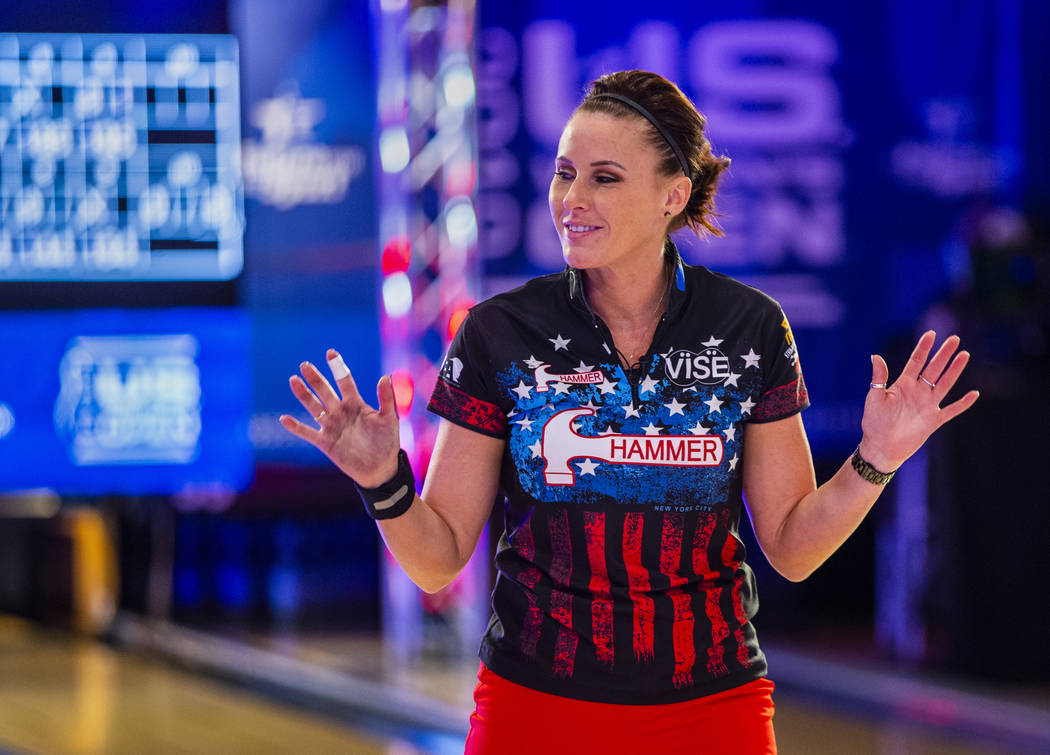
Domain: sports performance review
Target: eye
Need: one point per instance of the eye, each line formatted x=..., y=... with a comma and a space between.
x=564, y=175
x=606, y=179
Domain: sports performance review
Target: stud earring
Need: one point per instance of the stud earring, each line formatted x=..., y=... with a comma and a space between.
x=666, y=214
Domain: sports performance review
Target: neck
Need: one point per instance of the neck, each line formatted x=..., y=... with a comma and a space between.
x=628, y=298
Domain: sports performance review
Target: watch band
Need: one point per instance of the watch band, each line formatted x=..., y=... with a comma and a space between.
x=868, y=472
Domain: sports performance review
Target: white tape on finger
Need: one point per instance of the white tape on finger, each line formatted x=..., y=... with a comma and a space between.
x=338, y=367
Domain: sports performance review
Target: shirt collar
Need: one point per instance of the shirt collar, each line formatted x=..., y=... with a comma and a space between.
x=675, y=289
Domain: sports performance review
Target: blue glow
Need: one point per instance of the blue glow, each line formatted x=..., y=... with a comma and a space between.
x=144, y=401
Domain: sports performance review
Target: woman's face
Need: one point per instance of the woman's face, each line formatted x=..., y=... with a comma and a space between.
x=606, y=198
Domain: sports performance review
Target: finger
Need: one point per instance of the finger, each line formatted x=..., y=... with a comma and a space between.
x=320, y=384
x=306, y=397
x=940, y=359
x=342, y=375
x=880, y=372
x=953, y=410
x=295, y=427
x=385, y=392
x=947, y=381
x=918, y=356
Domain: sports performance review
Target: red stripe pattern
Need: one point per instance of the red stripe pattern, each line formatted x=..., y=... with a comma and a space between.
x=561, y=598
x=452, y=403
x=526, y=547
x=601, y=603
x=682, y=625
x=780, y=402
x=638, y=587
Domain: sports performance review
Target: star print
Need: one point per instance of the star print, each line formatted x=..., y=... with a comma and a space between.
x=731, y=380
x=712, y=341
x=606, y=347
x=669, y=352
x=652, y=429
x=607, y=386
x=648, y=385
x=561, y=389
x=560, y=343
x=608, y=431
x=674, y=407
x=714, y=404
x=630, y=411
x=745, y=406
x=526, y=424
x=691, y=389
x=512, y=412
x=523, y=391
x=537, y=449
x=698, y=429
x=532, y=362
x=732, y=462
x=590, y=405
x=583, y=367
x=587, y=467
x=731, y=432
x=751, y=358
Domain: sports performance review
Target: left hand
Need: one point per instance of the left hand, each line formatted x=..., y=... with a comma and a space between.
x=899, y=418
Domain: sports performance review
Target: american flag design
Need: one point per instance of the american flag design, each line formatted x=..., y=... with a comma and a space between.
x=621, y=576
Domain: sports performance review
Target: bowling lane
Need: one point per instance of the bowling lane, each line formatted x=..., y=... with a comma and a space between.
x=61, y=694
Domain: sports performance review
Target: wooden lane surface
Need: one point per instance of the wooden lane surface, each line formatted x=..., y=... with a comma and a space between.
x=62, y=694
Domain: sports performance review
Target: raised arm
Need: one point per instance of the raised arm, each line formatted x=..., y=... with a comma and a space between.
x=435, y=538
x=799, y=525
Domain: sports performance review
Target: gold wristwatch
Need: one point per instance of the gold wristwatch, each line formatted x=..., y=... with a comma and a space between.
x=868, y=472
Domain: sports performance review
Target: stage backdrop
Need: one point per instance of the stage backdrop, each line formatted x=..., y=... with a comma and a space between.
x=311, y=254
x=860, y=136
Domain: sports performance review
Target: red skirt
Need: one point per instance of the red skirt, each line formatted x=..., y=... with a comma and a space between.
x=509, y=719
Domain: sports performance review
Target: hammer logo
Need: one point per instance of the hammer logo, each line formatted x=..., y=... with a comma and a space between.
x=561, y=443
x=543, y=378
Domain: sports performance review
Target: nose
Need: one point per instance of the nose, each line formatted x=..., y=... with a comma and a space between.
x=575, y=196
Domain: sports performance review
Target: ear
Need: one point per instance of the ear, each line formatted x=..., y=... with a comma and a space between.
x=678, y=193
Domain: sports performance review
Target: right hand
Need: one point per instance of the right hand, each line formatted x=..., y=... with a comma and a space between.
x=361, y=441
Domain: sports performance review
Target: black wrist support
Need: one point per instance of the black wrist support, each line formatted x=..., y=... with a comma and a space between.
x=393, y=497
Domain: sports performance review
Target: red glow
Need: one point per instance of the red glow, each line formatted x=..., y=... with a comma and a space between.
x=461, y=178
x=459, y=313
x=397, y=255
x=404, y=389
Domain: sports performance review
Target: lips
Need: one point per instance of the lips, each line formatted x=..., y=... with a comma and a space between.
x=579, y=230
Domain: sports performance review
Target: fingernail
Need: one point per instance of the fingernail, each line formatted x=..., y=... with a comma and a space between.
x=338, y=367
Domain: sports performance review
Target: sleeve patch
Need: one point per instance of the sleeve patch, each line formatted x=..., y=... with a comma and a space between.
x=452, y=403
x=782, y=401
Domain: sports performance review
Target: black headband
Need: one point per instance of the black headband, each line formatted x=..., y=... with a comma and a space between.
x=656, y=124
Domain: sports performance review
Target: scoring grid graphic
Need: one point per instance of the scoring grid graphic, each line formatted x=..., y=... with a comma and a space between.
x=120, y=157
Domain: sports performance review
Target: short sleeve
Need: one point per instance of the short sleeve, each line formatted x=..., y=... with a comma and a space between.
x=462, y=393
x=784, y=389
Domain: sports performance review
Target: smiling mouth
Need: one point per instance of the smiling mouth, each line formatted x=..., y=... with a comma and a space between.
x=582, y=228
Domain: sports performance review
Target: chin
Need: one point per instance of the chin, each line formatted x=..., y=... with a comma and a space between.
x=579, y=258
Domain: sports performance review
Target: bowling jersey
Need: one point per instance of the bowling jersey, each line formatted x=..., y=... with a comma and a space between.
x=620, y=574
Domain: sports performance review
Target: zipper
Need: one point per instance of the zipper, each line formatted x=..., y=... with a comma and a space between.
x=633, y=377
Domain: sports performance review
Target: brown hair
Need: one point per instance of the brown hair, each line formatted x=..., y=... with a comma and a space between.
x=683, y=123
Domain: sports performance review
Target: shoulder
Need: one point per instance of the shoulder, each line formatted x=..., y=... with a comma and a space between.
x=536, y=297
x=728, y=293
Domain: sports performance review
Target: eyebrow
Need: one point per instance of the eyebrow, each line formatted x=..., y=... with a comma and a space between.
x=594, y=164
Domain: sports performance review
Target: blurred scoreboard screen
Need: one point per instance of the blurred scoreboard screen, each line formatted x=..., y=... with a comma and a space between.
x=119, y=158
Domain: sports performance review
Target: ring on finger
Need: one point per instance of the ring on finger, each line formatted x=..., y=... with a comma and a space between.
x=878, y=385
x=320, y=416
x=932, y=385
